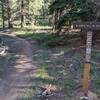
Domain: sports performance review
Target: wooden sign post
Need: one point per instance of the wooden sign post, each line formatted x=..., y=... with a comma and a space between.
x=89, y=26
x=86, y=74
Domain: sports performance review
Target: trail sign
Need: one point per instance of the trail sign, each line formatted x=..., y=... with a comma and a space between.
x=89, y=26
x=88, y=46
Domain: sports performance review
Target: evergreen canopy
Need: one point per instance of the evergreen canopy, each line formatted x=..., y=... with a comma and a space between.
x=72, y=10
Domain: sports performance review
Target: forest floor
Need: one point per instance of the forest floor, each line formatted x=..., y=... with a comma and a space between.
x=16, y=77
x=32, y=67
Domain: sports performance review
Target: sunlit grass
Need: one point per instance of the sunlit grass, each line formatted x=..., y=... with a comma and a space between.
x=42, y=73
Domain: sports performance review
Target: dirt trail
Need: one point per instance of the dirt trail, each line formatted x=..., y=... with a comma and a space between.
x=17, y=77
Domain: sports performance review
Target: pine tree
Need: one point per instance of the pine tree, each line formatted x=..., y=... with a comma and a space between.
x=67, y=11
x=10, y=25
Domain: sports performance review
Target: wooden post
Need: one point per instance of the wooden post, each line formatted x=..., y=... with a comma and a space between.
x=86, y=73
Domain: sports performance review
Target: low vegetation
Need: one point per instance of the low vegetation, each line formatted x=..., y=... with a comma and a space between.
x=52, y=66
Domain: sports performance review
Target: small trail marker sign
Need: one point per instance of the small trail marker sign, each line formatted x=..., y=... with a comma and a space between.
x=89, y=26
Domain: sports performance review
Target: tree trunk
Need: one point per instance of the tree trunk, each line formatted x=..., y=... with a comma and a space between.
x=59, y=14
x=3, y=20
x=28, y=4
x=28, y=12
x=10, y=25
x=55, y=17
x=22, y=14
x=43, y=11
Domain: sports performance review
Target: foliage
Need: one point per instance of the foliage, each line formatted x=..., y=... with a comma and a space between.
x=30, y=9
x=72, y=10
x=35, y=10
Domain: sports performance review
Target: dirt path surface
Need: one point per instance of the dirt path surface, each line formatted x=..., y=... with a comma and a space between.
x=17, y=77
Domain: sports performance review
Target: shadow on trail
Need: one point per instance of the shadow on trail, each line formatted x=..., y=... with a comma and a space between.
x=18, y=68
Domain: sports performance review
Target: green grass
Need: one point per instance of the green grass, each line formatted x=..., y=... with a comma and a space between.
x=51, y=70
x=46, y=39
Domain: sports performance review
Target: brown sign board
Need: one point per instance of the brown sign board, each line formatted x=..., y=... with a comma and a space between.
x=86, y=25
